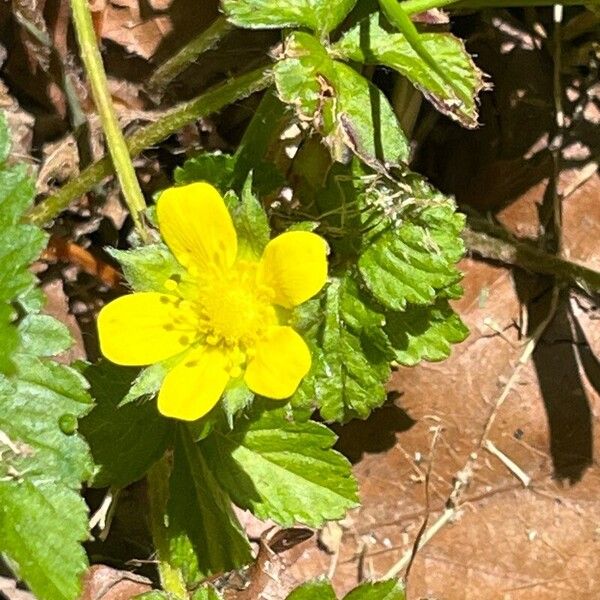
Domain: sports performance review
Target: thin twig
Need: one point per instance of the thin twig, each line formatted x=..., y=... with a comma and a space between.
x=117, y=147
x=421, y=533
x=446, y=516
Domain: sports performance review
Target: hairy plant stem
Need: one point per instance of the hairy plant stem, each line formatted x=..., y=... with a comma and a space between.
x=173, y=120
x=188, y=54
x=492, y=242
x=117, y=147
x=412, y=7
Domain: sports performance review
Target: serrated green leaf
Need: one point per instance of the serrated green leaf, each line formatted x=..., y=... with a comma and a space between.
x=43, y=335
x=204, y=536
x=413, y=261
x=20, y=245
x=43, y=459
x=347, y=377
x=455, y=95
x=318, y=15
x=380, y=590
x=215, y=168
x=125, y=441
x=333, y=97
x=424, y=332
x=42, y=517
x=147, y=268
x=314, y=590
x=363, y=317
x=282, y=470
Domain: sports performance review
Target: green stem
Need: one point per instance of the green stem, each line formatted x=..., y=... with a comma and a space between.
x=172, y=121
x=92, y=60
x=157, y=480
x=396, y=15
x=177, y=63
x=412, y=7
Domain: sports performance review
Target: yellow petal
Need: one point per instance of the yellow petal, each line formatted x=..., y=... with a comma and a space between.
x=282, y=359
x=194, y=386
x=294, y=266
x=141, y=329
x=197, y=226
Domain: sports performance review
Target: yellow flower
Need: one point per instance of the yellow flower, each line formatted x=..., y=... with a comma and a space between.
x=226, y=317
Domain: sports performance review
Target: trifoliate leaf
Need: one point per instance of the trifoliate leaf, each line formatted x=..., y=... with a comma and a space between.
x=319, y=15
x=147, y=268
x=314, y=590
x=125, y=440
x=380, y=590
x=332, y=96
x=455, y=96
x=204, y=536
x=424, y=332
x=282, y=470
x=413, y=261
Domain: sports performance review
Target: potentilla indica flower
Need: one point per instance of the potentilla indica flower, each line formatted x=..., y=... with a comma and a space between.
x=225, y=319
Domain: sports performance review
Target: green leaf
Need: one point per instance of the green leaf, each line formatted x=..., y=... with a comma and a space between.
x=347, y=377
x=204, y=593
x=349, y=111
x=319, y=15
x=424, y=332
x=361, y=315
x=412, y=262
x=454, y=95
x=125, y=441
x=43, y=519
x=251, y=224
x=215, y=168
x=380, y=590
x=314, y=590
x=43, y=335
x=282, y=470
x=9, y=338
x=16, y=191
x=205, y=538
x=366, y=122
x=147, y=268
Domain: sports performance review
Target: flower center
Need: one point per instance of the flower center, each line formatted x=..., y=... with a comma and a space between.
x=234, y=310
